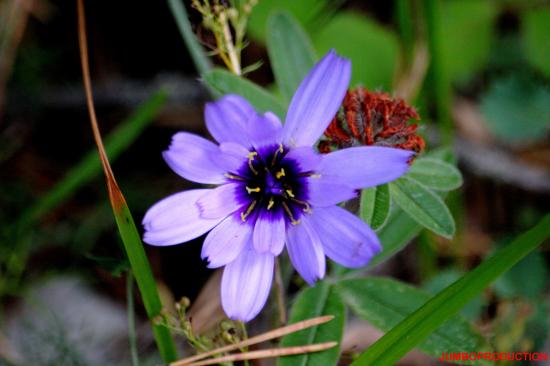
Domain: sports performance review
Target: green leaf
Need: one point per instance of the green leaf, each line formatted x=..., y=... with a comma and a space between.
x=471, y=311
x=142, y=272
x=373, y=49
x=291, y=53
x=201, y=61
x=517, y=109
x=313, y=302
x=394, y=240
x=527, y=279
x=424, y=206
x=374, y=206
x=224, y=82
x=385, y=302
x=536, y=43
x=306, y=12
x=468, y=31
x=435, y=174
x=419, y=325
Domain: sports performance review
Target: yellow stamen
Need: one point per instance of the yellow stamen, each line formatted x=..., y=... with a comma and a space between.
x=245, y=214
x=250, y=190
x=280, y=173
x=270, y=203
x=251, y=156
x=233, y=176
x=280, y=150
x=307, y=207
x=290, y=215
x=289, y=192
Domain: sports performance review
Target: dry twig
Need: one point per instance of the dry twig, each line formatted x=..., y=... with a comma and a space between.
x=276, y=333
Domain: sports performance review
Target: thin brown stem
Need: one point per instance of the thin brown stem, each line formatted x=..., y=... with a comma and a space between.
x=280, y=293
x=268, y=353
x=276, y=333
x=83, y=43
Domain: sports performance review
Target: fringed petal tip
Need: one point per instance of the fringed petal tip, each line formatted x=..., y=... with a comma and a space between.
x=190, y=156
x=176, y=219
x=346, y=239
x=365, y=166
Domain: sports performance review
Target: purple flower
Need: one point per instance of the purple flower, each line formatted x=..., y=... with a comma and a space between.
x=273, y=190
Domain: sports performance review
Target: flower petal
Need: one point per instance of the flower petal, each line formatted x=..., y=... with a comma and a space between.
x=231, y=156
x=317, y=100
x=269, y=232
x=226, y=241
x=227, y=118
x=246, y=283
x=324, y=192
x=305, y=157
x=189, y=155
x=264, y=129
x=365, y=166
x=176, y=219
x=219, y=202
x=346, y=239
x=306, y=251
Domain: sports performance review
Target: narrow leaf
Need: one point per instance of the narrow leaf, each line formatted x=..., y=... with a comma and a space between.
x=291, y=53
x=90, y=167
x=313, y=302
x=141, y=270
x=126, y=226
x=374, y=206
x=435, y=174
x=419, y=325
x=424, y=206
x=224, y=82
x=201, y=61
x=384, y=302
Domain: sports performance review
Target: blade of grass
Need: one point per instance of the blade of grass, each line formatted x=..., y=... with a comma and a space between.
x=419, y=325
x=441, y=84
x=126, y=226
x=201, y=61
x=90, y=166
x=131, y=318
x=87, y=169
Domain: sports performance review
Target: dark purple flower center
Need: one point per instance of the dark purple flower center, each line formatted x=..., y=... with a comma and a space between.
x=271, y=184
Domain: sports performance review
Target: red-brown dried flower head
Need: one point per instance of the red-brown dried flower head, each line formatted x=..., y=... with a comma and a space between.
x=372, y=118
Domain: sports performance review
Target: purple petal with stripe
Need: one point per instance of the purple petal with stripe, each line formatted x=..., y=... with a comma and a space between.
x=226, y=241
x=219, y=202
x=346, y=239
x=264, y=129
x=365, y=166
x=325, y=192
x=227, y=118
x=306, y=251
x=269, y=232
x=190, y=155
x=176, y=219
x=317, y=100
x=230, y=157
x=246, y=283
x=305, y=157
